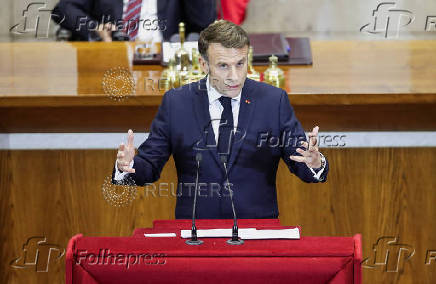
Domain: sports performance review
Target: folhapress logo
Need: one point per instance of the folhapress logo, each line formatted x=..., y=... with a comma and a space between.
x=389, y=255
x=388, y=20
x=36, y=19
x=37, y=254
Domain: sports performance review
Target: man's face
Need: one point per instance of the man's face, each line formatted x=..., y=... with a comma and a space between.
x=227, y=68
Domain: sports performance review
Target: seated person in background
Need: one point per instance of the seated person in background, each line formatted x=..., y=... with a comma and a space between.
x=81, y=17
x=107, y=20
x=196, y=14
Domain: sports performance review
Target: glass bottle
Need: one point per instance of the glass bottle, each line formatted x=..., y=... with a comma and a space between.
x=274, y=75
x=170, y=77
x=251, y=72
x=196, y=72
x=181, y=55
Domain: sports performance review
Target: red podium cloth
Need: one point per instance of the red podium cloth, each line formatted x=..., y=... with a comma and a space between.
x=138, y=259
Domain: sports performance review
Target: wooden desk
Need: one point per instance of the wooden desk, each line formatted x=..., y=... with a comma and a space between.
x=352, y=85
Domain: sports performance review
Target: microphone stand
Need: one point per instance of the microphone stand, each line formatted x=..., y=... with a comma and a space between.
x=194, y=240
x=235, y=240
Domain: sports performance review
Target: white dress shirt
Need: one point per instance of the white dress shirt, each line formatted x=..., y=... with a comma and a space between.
x=215, y=111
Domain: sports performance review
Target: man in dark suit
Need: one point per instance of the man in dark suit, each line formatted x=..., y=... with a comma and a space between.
x=251, y=124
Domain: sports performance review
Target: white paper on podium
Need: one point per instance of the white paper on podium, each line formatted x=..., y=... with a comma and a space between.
x=160, y=235
x=246, y=234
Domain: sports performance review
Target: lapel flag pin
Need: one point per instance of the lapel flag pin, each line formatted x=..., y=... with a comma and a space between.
x=247, y=101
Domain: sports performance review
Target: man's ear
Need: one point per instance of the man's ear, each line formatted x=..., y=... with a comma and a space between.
x=203, y=64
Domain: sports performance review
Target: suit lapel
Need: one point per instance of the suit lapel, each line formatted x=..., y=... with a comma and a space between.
x=201, y=109
x=246, y=109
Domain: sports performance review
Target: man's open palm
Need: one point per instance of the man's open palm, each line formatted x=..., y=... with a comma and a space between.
x=310, y=155
x=126, y=153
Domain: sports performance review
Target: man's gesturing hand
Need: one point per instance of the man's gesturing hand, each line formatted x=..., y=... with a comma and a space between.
x=126, y=153
x=311, y=155
x=105, y=31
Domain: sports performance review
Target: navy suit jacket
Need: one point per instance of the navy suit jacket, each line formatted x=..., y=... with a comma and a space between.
x=267, y=131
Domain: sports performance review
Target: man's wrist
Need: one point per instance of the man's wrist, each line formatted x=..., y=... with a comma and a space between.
x=130, y=166
x=318, y=172
x=323, y=162
x=119, y=168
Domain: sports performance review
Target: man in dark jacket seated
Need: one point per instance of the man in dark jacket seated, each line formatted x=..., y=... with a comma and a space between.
x=87, y=20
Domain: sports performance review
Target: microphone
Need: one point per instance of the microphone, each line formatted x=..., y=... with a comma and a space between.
x=194, y=240
x=235, y=239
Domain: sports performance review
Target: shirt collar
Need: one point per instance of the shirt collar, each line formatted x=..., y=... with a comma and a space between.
x=214, y=95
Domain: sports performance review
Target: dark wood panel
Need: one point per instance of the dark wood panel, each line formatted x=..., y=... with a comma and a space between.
x=71, y=119
x=394, y=117
x=121, y=118
x=375, y=192
x=6, y=219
